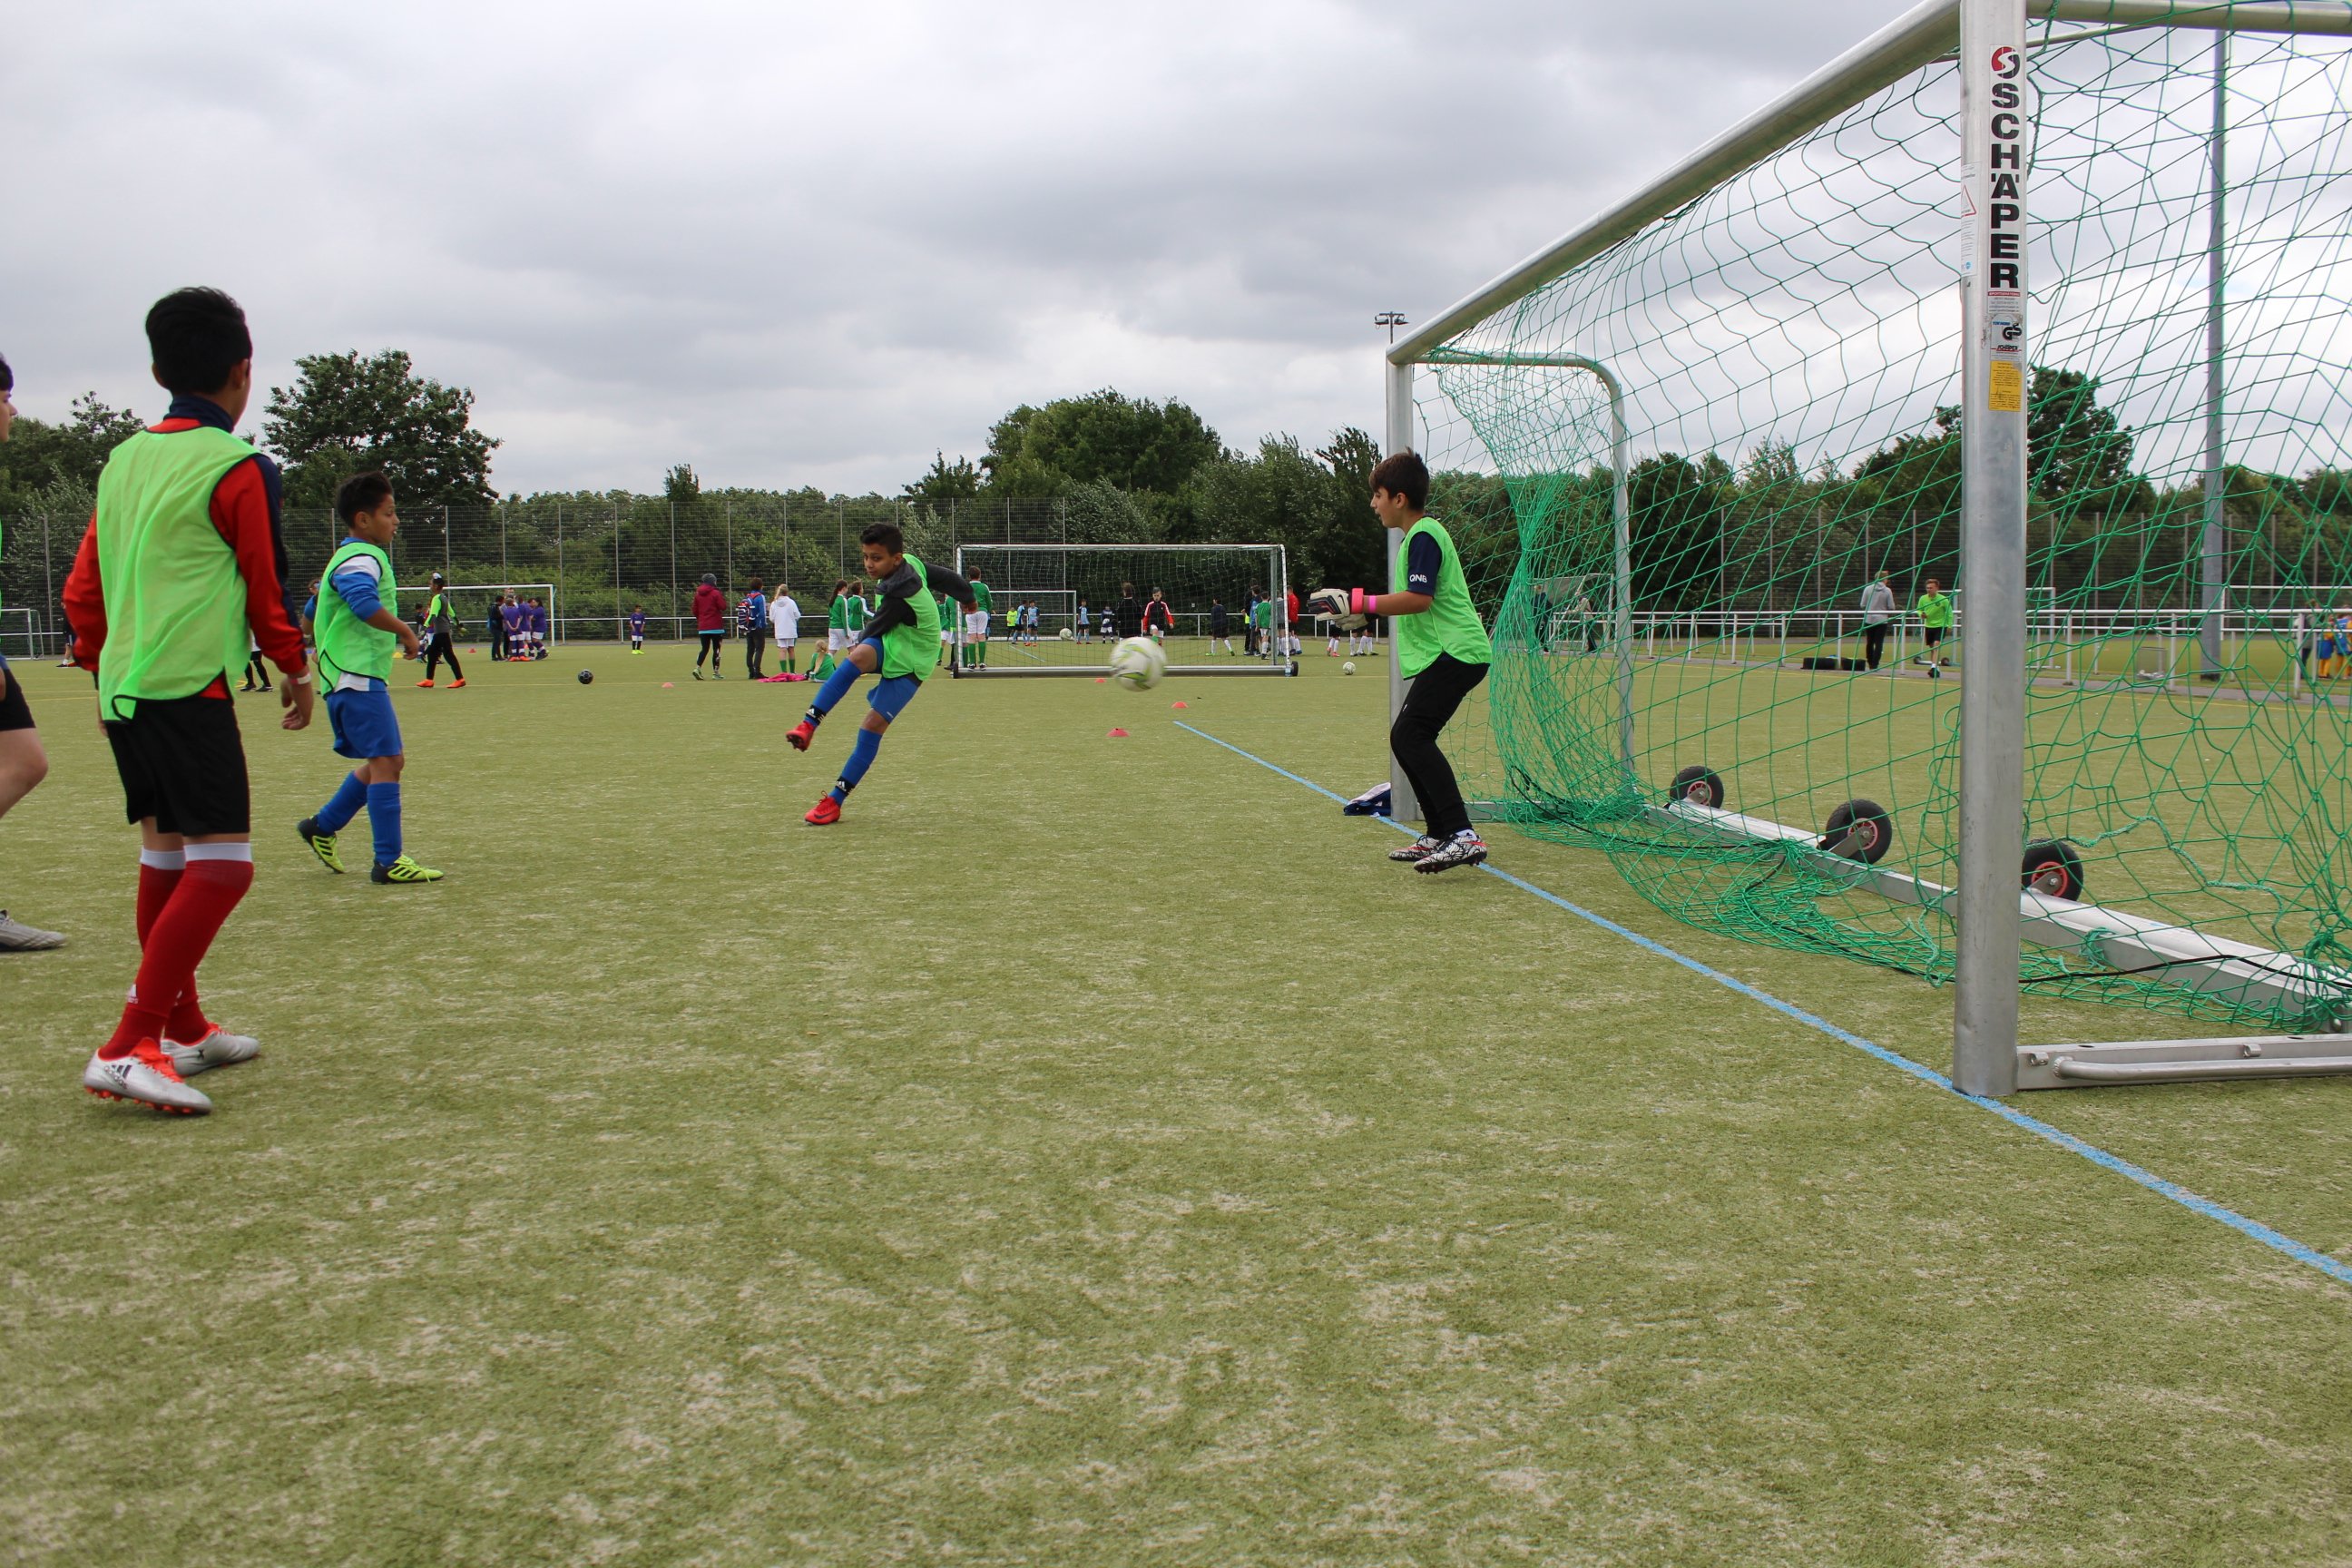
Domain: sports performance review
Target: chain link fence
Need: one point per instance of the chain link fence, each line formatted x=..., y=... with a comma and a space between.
x=601, y=556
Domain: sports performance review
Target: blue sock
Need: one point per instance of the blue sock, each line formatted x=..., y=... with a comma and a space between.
x=384, y=815
x=837, y=687
x=861, y=757
x=343, y=805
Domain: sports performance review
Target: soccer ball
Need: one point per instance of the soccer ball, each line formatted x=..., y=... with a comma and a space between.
x=1349, y=668
x=1137, y=664
x=1066, y=634
x=586, y=676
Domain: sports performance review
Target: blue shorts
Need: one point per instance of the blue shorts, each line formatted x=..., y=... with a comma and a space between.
x=889, y=698
x=363, y=723
x=2327, y=647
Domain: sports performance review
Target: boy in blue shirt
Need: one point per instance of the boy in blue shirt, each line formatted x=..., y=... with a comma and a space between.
x=357, y=632
x=752, y=619
x=636, y=629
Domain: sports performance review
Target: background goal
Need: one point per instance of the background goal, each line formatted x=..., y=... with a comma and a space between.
x=1199, y=582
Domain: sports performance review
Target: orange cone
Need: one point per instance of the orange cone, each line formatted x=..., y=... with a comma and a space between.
x=1179, y=704
x=1116, y=735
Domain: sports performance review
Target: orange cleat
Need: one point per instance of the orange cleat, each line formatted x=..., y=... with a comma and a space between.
x=455, y=684
x=426, y=684
x=823, y=814
x=800, y=736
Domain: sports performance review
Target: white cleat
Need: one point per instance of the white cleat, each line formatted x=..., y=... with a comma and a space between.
x=218, y=1049
x=147, y=1076
x=1421, y=848
x=16, y=936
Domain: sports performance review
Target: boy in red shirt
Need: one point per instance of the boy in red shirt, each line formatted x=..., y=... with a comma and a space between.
x=182, y=558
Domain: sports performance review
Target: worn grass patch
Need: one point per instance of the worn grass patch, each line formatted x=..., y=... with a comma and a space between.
x=1091, y=1151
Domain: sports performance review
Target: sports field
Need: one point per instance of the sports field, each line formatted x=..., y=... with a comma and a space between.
x=1090, y=1152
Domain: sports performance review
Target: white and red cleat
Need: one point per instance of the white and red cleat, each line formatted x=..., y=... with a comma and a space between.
x=147, y=1076
x=218, y=1049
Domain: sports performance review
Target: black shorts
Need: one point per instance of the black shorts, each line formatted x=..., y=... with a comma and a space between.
x=1933, y=634
x=15, y=713
x=183, y=763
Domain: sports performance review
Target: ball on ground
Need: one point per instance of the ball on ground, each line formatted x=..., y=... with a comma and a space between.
x=587, y=676
x=1349, y=668
x=1066, y=634
x=1137, y=664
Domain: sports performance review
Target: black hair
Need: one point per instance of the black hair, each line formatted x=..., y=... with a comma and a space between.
x=196, y=337
x=360, y=492
x=1403, y=473
x=884, y=535
x=757, y=586
x=7, y=376
x=710, y=580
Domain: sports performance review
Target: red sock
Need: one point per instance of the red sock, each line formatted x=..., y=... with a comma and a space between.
x=186, y=1021
x=177, y=940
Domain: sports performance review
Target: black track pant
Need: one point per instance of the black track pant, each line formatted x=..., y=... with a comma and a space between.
x=437, y=647
x=1874, y=643
x=1429, y=702
x=710, y=650
x=755, y=648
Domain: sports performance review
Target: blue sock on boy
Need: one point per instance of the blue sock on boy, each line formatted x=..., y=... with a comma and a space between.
x=861, y=757
x=342, y=806
x=383, y=816
x=837, y=687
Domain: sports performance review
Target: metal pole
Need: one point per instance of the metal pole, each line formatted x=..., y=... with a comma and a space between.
x=555, y=593
x=1402, y=805
x=1992, y=699
x=448, y=569
x=2213, y=548
x=673, y=573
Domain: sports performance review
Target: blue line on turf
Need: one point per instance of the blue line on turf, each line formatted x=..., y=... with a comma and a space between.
x=2335, y=1269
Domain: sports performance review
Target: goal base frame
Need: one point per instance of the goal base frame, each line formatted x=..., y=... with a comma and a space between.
x=2212, y=1060
x=1048, y=671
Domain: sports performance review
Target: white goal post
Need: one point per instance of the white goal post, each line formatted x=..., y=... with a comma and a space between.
x=1205, y=587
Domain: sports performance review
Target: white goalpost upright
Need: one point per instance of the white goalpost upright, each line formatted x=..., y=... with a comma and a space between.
x=1989, y=48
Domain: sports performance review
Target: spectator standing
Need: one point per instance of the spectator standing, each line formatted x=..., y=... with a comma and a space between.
x=710, y=626
x=1877, y=617
x=784, y=620
x=751, y=615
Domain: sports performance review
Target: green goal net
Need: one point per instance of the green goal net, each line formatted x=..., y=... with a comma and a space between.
x=1758, y=719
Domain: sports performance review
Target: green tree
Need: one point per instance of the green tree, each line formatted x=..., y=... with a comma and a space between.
x=944, y=482
x=1133, y=443
x=63, y=460
x=2077, y=451
x=348, y=412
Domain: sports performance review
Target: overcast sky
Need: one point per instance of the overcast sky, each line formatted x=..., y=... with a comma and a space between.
x=808, y=244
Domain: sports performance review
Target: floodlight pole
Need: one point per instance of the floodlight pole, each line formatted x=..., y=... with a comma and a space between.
x=2214, y=546
x=1997, y=117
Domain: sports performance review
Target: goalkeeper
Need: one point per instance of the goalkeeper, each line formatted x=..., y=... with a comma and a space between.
x=899, y=644
x=1441, y=649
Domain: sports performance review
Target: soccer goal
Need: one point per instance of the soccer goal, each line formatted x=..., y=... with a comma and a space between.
x=475, y=602
x=1904, y=443
x=1089, y=596
x=20, y=635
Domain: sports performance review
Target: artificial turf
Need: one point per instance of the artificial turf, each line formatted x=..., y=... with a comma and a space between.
x=1091, y=1151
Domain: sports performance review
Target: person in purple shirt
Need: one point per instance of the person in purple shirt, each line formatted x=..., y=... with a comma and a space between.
x=636, y=629
x=510, y=628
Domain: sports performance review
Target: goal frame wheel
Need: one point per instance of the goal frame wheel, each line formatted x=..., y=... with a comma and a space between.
x=2053, y=867
x=1692, y=781
x=1858, y=830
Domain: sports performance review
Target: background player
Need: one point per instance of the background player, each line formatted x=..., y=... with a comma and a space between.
x=784, y=618
x=975, y=625
x=636, y=629
x=23, y=764
x=710, y=626
x=751, y=618
x=357, y=632
x=440, y=631
x=896, y=644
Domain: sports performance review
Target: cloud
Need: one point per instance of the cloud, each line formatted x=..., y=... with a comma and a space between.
x=809, y=244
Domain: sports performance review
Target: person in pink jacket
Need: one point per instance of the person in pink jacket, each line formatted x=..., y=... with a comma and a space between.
x=710, y=624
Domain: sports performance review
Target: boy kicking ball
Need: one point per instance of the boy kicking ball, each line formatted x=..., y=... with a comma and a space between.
x=1441, y=647
x=357, y=632
x=180, y=560
x=896, y=644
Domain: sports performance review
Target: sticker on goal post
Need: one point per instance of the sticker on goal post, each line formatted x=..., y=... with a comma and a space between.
x=2005, y=389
